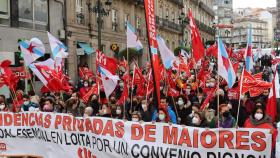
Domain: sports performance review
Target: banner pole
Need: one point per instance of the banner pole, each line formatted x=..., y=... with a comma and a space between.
x=218, y=101
x=240, y=92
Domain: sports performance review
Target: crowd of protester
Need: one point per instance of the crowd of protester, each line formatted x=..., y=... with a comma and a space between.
x=185, y=109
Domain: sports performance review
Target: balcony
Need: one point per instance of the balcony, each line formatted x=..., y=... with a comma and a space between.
x=168, y=25
x=206, y=8
x=205, y=28
x=179, y=2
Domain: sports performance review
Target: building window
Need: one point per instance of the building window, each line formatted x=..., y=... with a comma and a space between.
x=80, y=17
x=138, y=23
x=4, y=12
x=226, y=2
x=126, y=19
x=33, y=14
x=114, y=20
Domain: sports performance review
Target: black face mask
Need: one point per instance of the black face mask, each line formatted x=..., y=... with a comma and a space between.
x=226, y=114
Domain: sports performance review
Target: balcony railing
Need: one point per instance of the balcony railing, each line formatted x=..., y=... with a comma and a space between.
x=166, y=24
x=205, y=28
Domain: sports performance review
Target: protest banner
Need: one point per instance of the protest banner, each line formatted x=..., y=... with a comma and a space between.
x=51, y=135
x=278, y=142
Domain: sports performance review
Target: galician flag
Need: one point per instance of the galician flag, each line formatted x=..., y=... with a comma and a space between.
x=249, y=53
x=59, y=50
x=167, y=55
x=225, y=69
x=32, y=50
x=132, y=38
x=109, y=80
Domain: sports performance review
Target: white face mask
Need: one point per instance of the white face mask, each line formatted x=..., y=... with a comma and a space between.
x=180, y=102
x=258, y=116
x=2, y=106
x=161, y=88
x=104, y=112
x=86, y=85
x=121, y=84
x=134, y=119
x=161, y=117
x=118, y=111
x=195, y=121
x=26, y=102
x=191, y=115
x=144, y=106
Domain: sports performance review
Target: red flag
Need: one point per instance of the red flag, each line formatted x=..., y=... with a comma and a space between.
x=124, y=96
x=111, y=64
x=93, y=90
x=271, y=106
x=209, y=97
x=153, y=45
x=212, y=50
x=235, y=67
x=255, y=86
x=85, y=73
x=275, y=61
x=138, y=76
x=197, y=45
x=7, y=76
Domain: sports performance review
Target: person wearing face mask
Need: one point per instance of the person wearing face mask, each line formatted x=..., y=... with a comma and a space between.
x=225, y=118
x=3, y=104
x=85, y=89
x=94, y=104
x=105, y=111
x=260, y=119
x=3, y=107
x=162, y=116
x=170, y=114
x=136, y=116
x=28, y=105
x=198, y=120
x=189, y=117
x=183, y=109
x=146, y=111
x=88, y=112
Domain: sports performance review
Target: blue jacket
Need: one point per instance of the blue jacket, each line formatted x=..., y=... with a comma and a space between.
x=171, y=113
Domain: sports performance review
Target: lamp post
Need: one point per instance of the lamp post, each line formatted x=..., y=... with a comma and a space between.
x=184, y=22
x=100, y=11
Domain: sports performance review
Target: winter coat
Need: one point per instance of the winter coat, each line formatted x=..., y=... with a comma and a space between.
x=265, y=123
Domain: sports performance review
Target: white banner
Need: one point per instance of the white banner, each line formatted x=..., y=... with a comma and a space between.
x=59, y=135
x=278, y=142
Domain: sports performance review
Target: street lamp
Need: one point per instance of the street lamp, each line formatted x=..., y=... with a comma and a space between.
x=100, y=10
x=184, y=22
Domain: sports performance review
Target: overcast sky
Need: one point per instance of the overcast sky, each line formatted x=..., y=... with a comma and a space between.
x=254, y=3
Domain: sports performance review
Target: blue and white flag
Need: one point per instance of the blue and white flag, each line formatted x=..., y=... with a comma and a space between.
x=132, y=38
x=225, y=68
x=59, y=50
x=109, y=80
x=166, y=54
x=32, y=50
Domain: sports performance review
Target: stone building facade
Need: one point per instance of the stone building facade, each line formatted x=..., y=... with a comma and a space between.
x=259, y=32
x=81, y=26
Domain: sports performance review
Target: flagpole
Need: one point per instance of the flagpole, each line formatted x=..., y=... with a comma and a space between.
x=218, y=99
x=149, y=77
x=240, y=93
x=132, y=88
x=26, y=81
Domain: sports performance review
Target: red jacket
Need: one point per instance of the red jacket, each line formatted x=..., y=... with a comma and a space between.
x=264, y=124
x=83, y=91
